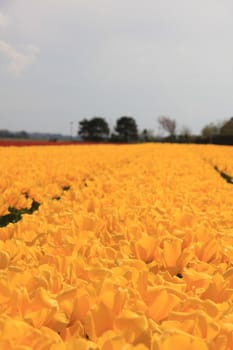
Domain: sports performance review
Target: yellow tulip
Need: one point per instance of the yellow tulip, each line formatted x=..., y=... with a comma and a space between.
x=98, y=320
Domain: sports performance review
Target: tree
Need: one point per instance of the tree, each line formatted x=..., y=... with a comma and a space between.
x=147, y=135
x=168, y=125
x=5, y=133
x=83, y=129
x=227, y=128
x=14, y=134
x=99, y=129
x=185, y=134
x=95, y=129
x=22, y=134
x=126, y=128
x=210, y=130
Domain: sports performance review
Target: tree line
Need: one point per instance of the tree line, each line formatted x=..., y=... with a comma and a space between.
x=96, y=129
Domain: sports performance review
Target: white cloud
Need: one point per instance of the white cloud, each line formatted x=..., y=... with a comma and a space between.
x=18, y=62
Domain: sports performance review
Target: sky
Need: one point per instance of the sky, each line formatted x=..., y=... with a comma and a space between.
x=65, y=60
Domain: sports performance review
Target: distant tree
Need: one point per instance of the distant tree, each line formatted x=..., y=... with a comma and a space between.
x=147, y=135
x=210, y=129
x=185, y=134
x=227, y=128
x=83, y=129
x=167, y=124
x=95, y=129
x=22, y=134
x=126, y=129
x=99, y=129
x=14, y=134
x=5, y=133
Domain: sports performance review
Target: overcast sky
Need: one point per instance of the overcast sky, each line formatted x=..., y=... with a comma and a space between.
x=65, y=60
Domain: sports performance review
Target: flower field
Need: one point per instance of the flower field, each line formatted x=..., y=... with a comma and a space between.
x=116, y=247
